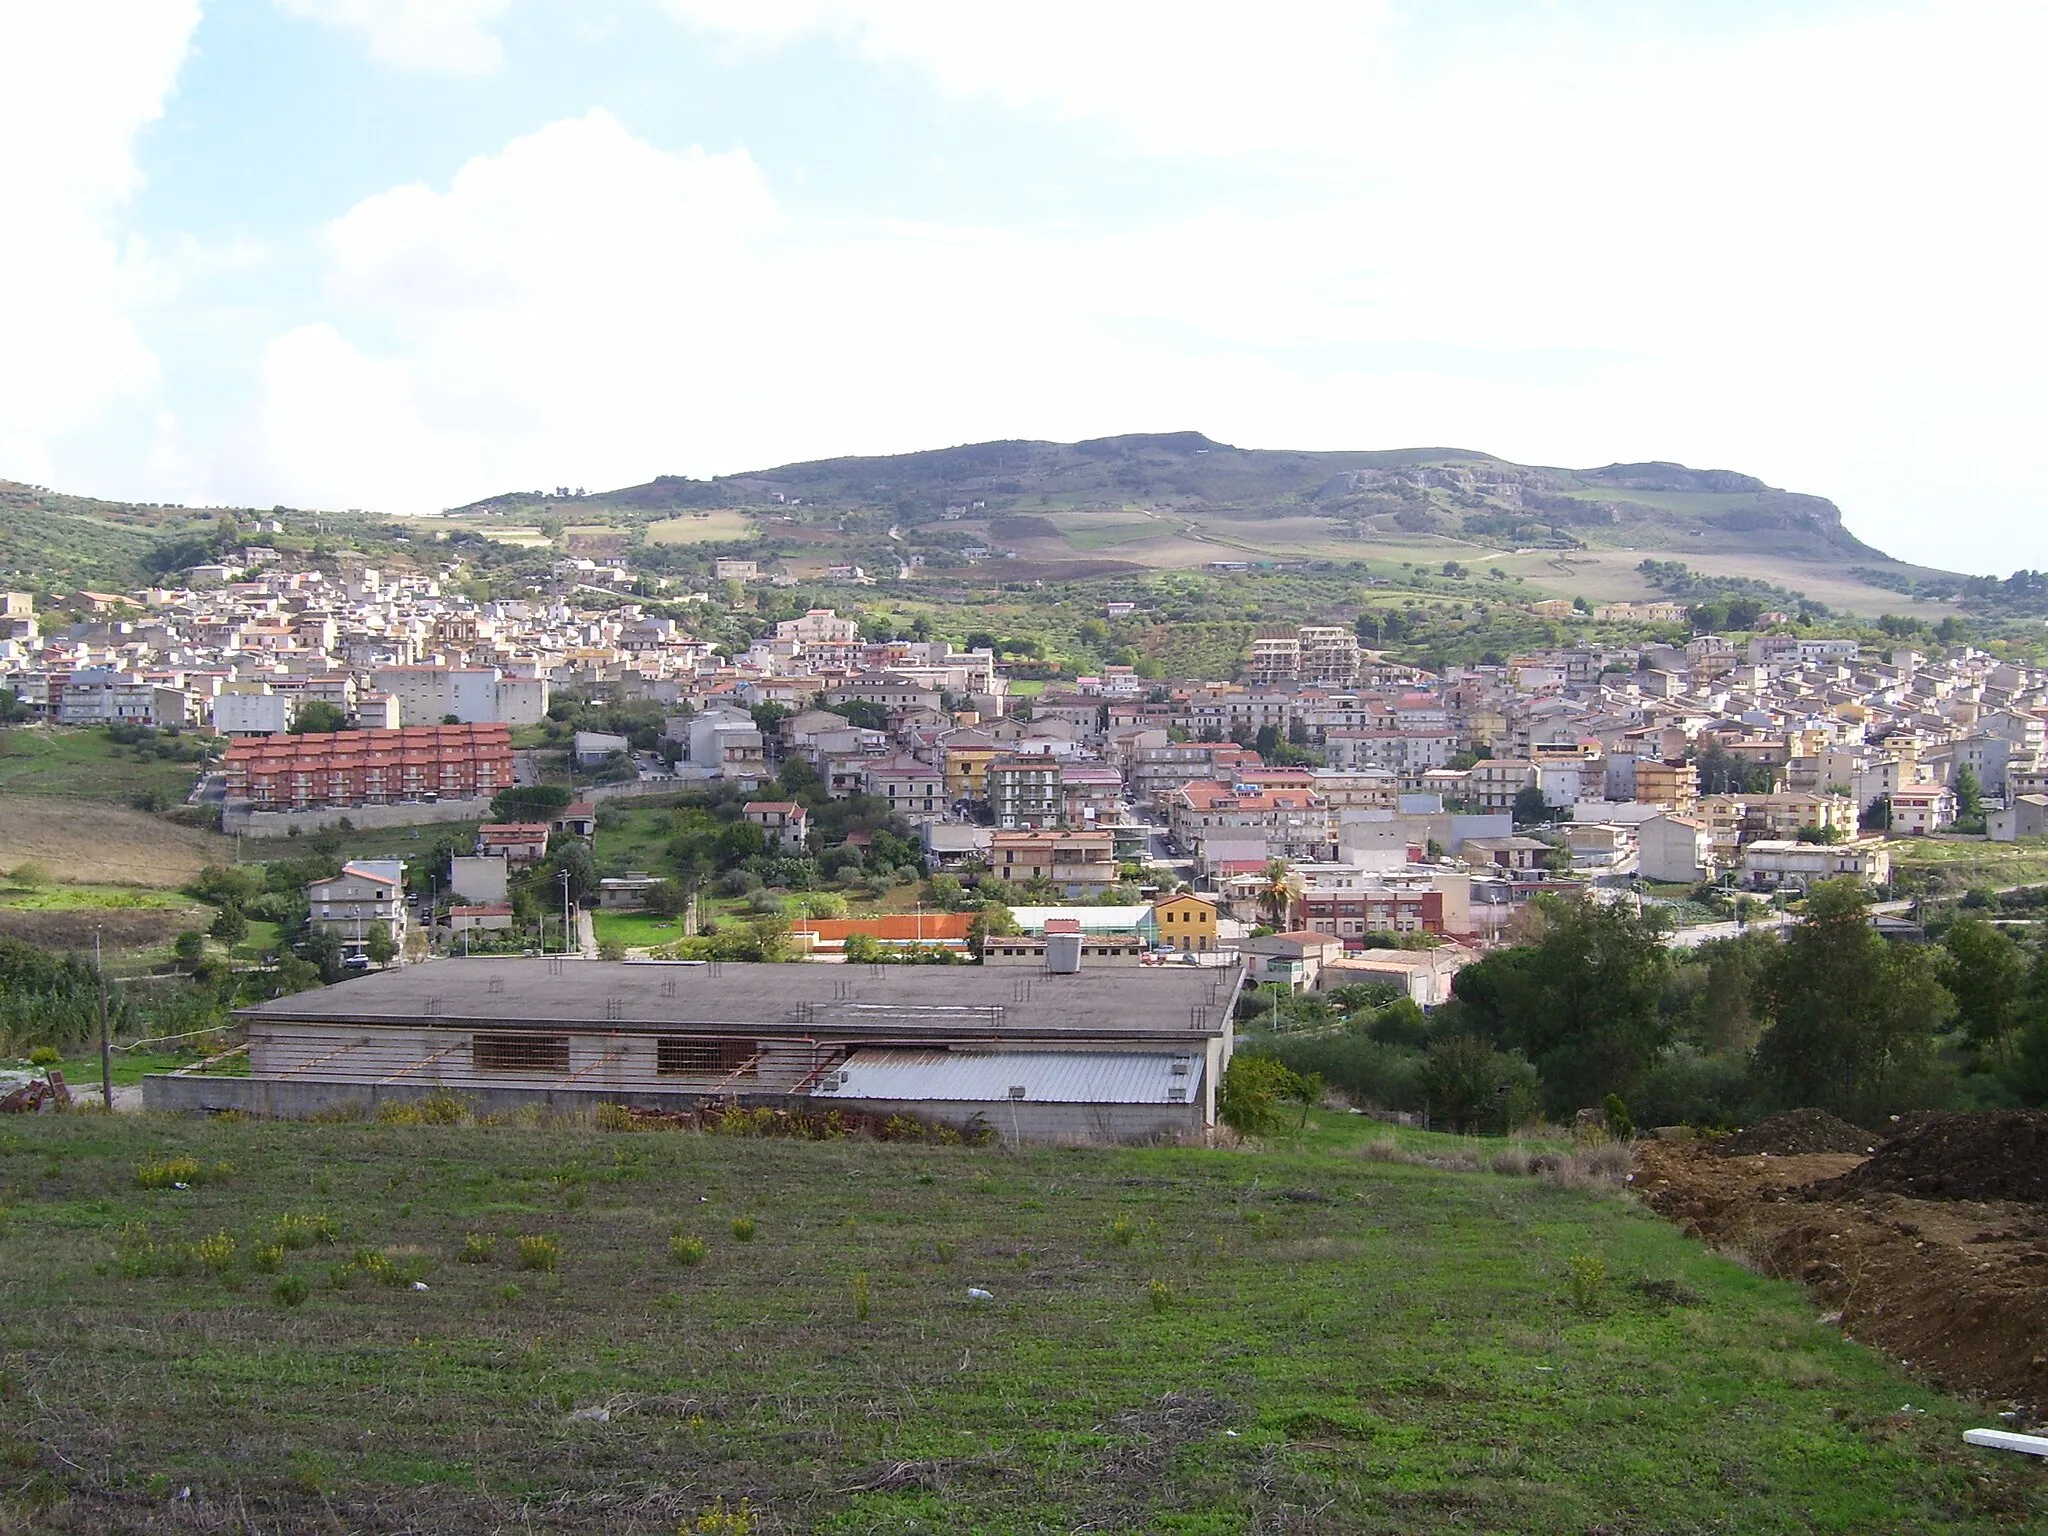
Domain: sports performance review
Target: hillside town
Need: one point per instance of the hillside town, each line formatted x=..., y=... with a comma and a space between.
x=1328, y=803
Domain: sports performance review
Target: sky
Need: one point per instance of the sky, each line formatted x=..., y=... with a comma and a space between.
x=403, y=254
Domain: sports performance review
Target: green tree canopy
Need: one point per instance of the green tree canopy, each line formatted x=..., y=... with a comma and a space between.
x=1851, y=1015
x=1581, y=1002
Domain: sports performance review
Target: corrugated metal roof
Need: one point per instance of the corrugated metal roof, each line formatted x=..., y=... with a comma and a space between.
x=1091, y=919
x=1047, y=1077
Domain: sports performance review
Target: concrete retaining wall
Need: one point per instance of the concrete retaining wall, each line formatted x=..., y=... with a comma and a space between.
x=240, y=816
x=1022, y=1123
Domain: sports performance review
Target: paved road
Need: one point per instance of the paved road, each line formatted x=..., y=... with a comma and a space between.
x=586, y=933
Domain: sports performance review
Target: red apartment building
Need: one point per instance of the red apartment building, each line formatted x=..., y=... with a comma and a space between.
x=453, y=762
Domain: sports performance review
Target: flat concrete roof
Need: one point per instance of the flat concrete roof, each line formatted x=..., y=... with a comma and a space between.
x=874, y=1003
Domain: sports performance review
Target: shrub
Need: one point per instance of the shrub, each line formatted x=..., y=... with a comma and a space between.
x=1123, y=1231
x=476, y=1249
x=45, y=1056
x=1159, y=1296
x=304, y=1231
x=1587, y=1275
x=377, y=1266
x=538, y=1250
x=688, y=1251
x=291, y=1290
x=267, y=1258
x=720, y=1521
x=743, y=1228
x=164, y=1173
x=862, y=1295
x=216, y=1253
x=614, y=1117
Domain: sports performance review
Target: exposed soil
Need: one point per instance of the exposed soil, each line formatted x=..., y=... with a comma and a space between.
x=2001, y=1155
x=118, y=927
x=100, y=844
x=1956, y=1289
x=1797, y=1132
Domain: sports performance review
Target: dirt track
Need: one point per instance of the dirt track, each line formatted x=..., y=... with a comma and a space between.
x=1955, y=1289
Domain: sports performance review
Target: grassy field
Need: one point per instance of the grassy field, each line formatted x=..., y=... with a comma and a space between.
x=489, y=1329
x=1963, y=866
x=634, y=837
x=635, y=930
x=83, y=763
x=701, y=528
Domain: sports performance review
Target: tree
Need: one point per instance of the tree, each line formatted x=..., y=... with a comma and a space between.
x=1986, y=975
x=229, y=926
x=318, y=717
x=993, y=921
x=1276, y=895
x=1248, y=1099
x=189, y=947
x=575, y=857
x=1878, y=816
x=1530, y=807
x=529, y=802
x=666, y=898
x=1851, y=1015
x=1581, y=1000
x=1969, y=799
x=378, y=945
x=1464, y=1079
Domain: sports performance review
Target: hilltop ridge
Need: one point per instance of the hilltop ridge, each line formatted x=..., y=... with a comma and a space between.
x=1396, y=494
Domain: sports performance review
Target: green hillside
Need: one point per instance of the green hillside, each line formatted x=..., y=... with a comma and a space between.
x=1142, y=499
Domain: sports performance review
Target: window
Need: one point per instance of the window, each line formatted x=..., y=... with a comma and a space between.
x=520, y=1053
x=686, y=1058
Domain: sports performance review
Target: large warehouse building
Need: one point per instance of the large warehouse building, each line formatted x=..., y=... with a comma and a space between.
x=1110, y=1054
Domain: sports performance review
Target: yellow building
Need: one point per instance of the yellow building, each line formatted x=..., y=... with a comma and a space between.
x=966, y=768
x=1185, y=921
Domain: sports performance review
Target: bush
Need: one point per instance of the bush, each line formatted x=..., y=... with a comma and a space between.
x=688, y=1251
x=476, y=1249
x=267, y=1258
x=1587, y=1275
x=744, y=1229
x=167, y=1173
x=291, y=1290
x=45, y=1056
x=538, y=1251
x=304, y=1231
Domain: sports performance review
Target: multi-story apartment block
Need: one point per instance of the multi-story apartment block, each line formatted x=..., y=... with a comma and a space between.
x=1024, y=792
x=448, y=762
x=1079, y=863
x=367, y=895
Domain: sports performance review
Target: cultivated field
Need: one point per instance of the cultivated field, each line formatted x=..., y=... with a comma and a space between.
x=370, y=1327
x=701, y=528
x=104, y=844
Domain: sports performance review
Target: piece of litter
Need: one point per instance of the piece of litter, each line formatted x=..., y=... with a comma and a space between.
x=182, y=1493
x=181, y=1186
x=591, y=1416
x=2005, y=1440
x=976, y=1293
x=1546, y=1367
x=1231, y=1432
x=419, y=1285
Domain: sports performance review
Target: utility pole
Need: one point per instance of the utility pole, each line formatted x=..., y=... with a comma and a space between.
x=106, y=1045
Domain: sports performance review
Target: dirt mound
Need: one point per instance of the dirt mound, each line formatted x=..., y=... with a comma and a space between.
x=1999, y=1155
x=1797, y=1133
x=1952, y=1289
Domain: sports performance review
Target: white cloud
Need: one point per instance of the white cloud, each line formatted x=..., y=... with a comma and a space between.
x=1201, y=77
x=454, y=37
x=1803, y=247
x=83, y=79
